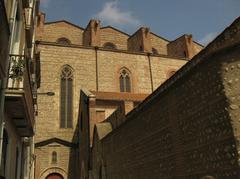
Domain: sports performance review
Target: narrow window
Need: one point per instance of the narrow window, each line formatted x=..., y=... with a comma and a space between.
x=125, y=81
x=66, y=105
x=54, y=157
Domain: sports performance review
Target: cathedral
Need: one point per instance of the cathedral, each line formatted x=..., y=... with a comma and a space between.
x=118, y=69
x=95, y=102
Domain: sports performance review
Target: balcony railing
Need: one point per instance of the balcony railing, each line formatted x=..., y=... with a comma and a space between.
x=19, y=96
x=16, y=71
x=4, y=39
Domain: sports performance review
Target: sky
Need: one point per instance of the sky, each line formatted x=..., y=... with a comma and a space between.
x=204, y=19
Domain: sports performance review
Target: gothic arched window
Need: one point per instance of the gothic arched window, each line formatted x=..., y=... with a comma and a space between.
x=109, y=45
x=125, y=81
x=63, y=41
x=66, y=105
x=54, y=157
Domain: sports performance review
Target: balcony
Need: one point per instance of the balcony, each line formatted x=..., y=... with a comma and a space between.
x=19, y=96
x=4, y=39
x=29, y=25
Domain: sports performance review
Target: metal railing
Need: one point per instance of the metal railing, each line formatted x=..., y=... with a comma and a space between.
x=20, y=82
x=16, y=71
x=19, y=79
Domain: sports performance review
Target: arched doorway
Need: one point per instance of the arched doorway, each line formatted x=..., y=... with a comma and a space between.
x=54, y=176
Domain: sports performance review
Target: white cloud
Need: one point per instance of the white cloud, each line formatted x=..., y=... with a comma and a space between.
x=44, y=3
x=208, y=38
x=113, y=15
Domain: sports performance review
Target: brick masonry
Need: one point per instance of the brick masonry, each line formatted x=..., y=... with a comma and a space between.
x=187, y=128
x=95, y=69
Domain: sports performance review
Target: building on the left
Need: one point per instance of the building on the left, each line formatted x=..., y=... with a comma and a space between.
x=19, y=80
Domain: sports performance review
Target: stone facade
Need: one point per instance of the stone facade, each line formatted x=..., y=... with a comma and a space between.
x=96, y=69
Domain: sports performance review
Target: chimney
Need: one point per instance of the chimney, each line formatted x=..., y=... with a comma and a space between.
x=91, y=35
x=140, y=41
x=182, y=47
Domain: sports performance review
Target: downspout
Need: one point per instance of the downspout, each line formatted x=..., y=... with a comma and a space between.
x=3, y=83
x=150, y=69
x=96, y=57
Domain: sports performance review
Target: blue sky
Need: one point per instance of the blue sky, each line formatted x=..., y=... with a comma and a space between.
x=167, y=18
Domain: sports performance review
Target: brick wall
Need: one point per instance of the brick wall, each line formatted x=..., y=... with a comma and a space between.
x=119, y=39
x=66, y=160
x=91, y=35
x=159, y=44
x=83, y=62
x=51, y=32
x=140, y=41
x=188, y=128
x=197, y=47
x=182, y=47
x=95, y=69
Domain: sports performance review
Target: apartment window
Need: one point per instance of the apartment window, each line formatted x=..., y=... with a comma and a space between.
x=109, y=45
x=54, y=157
x=66, y=105
x=125, y=81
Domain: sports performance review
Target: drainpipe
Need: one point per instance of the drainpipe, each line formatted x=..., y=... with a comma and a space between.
x=3, y=83
x=96, y=56
x=150, y=69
